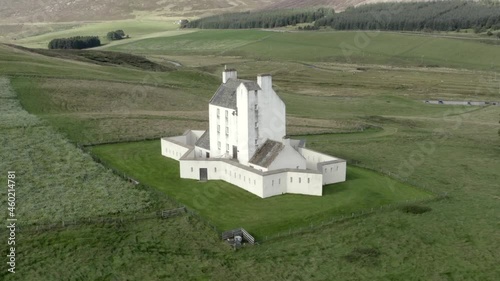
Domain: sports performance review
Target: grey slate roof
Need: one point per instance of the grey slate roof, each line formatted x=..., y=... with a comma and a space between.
x=204, y=141
x=226, y=94
x=265, y=155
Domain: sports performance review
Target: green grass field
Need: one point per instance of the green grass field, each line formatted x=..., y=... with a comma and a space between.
x=220, y=202
x=369, y=111
x=53, y=175
x=342, y=47
x=134, y=28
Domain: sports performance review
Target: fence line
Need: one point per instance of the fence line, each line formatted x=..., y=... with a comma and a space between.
x=124, y=176
x=37, y=226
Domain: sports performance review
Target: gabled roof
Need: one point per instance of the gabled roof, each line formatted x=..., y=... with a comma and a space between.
x=265, y=155
x=204, y=141
x=226, y=94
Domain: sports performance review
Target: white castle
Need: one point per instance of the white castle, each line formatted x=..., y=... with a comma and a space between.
x=246, y=144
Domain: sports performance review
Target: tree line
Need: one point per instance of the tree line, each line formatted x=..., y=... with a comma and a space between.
x=261, y=19
x=418, y=16
x=78, y=42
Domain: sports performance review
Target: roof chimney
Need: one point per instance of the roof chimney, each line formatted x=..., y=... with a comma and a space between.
x=229, y=74
x=265, y=82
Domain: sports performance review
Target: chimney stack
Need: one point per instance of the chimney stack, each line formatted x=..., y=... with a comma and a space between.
x=229, y=74
x=265, y=82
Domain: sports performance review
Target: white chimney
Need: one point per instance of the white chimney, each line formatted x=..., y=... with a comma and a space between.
x=265, y=82
x=229, y=74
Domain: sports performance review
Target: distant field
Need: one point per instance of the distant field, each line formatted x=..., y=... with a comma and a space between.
x=372, y=48
x=134, y=28
x=230, y=207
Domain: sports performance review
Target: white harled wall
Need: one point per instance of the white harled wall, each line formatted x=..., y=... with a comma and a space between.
x=220, y=122
x=333, y=169
x=272, y=111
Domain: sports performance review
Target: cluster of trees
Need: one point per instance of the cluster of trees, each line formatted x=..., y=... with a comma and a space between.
x=116, y=35
x=78, y=42
x=261, y=19
x=417, y=16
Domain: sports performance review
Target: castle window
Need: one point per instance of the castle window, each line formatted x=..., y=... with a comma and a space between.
x=227, y=148
x=218, y=113
x=308, y=180
x=256, y=124
x=227, y=131
x=291, y=179
x=218, y=145
x=279, y=181
x=300, y=180
x=218, y=129
x=256, y=141
x=192, y=169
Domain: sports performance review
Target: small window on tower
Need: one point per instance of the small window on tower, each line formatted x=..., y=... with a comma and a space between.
x=256, y=141
x=227, y=148
x=218, y=128
x=218, y=145
x=218, y=112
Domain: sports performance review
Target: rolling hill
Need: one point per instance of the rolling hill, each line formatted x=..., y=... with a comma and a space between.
x=26, y=11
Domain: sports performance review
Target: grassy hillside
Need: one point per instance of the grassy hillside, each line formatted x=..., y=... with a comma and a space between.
x=25, y=11
x=39, y=35
x=343, y=47
x=55, y=176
